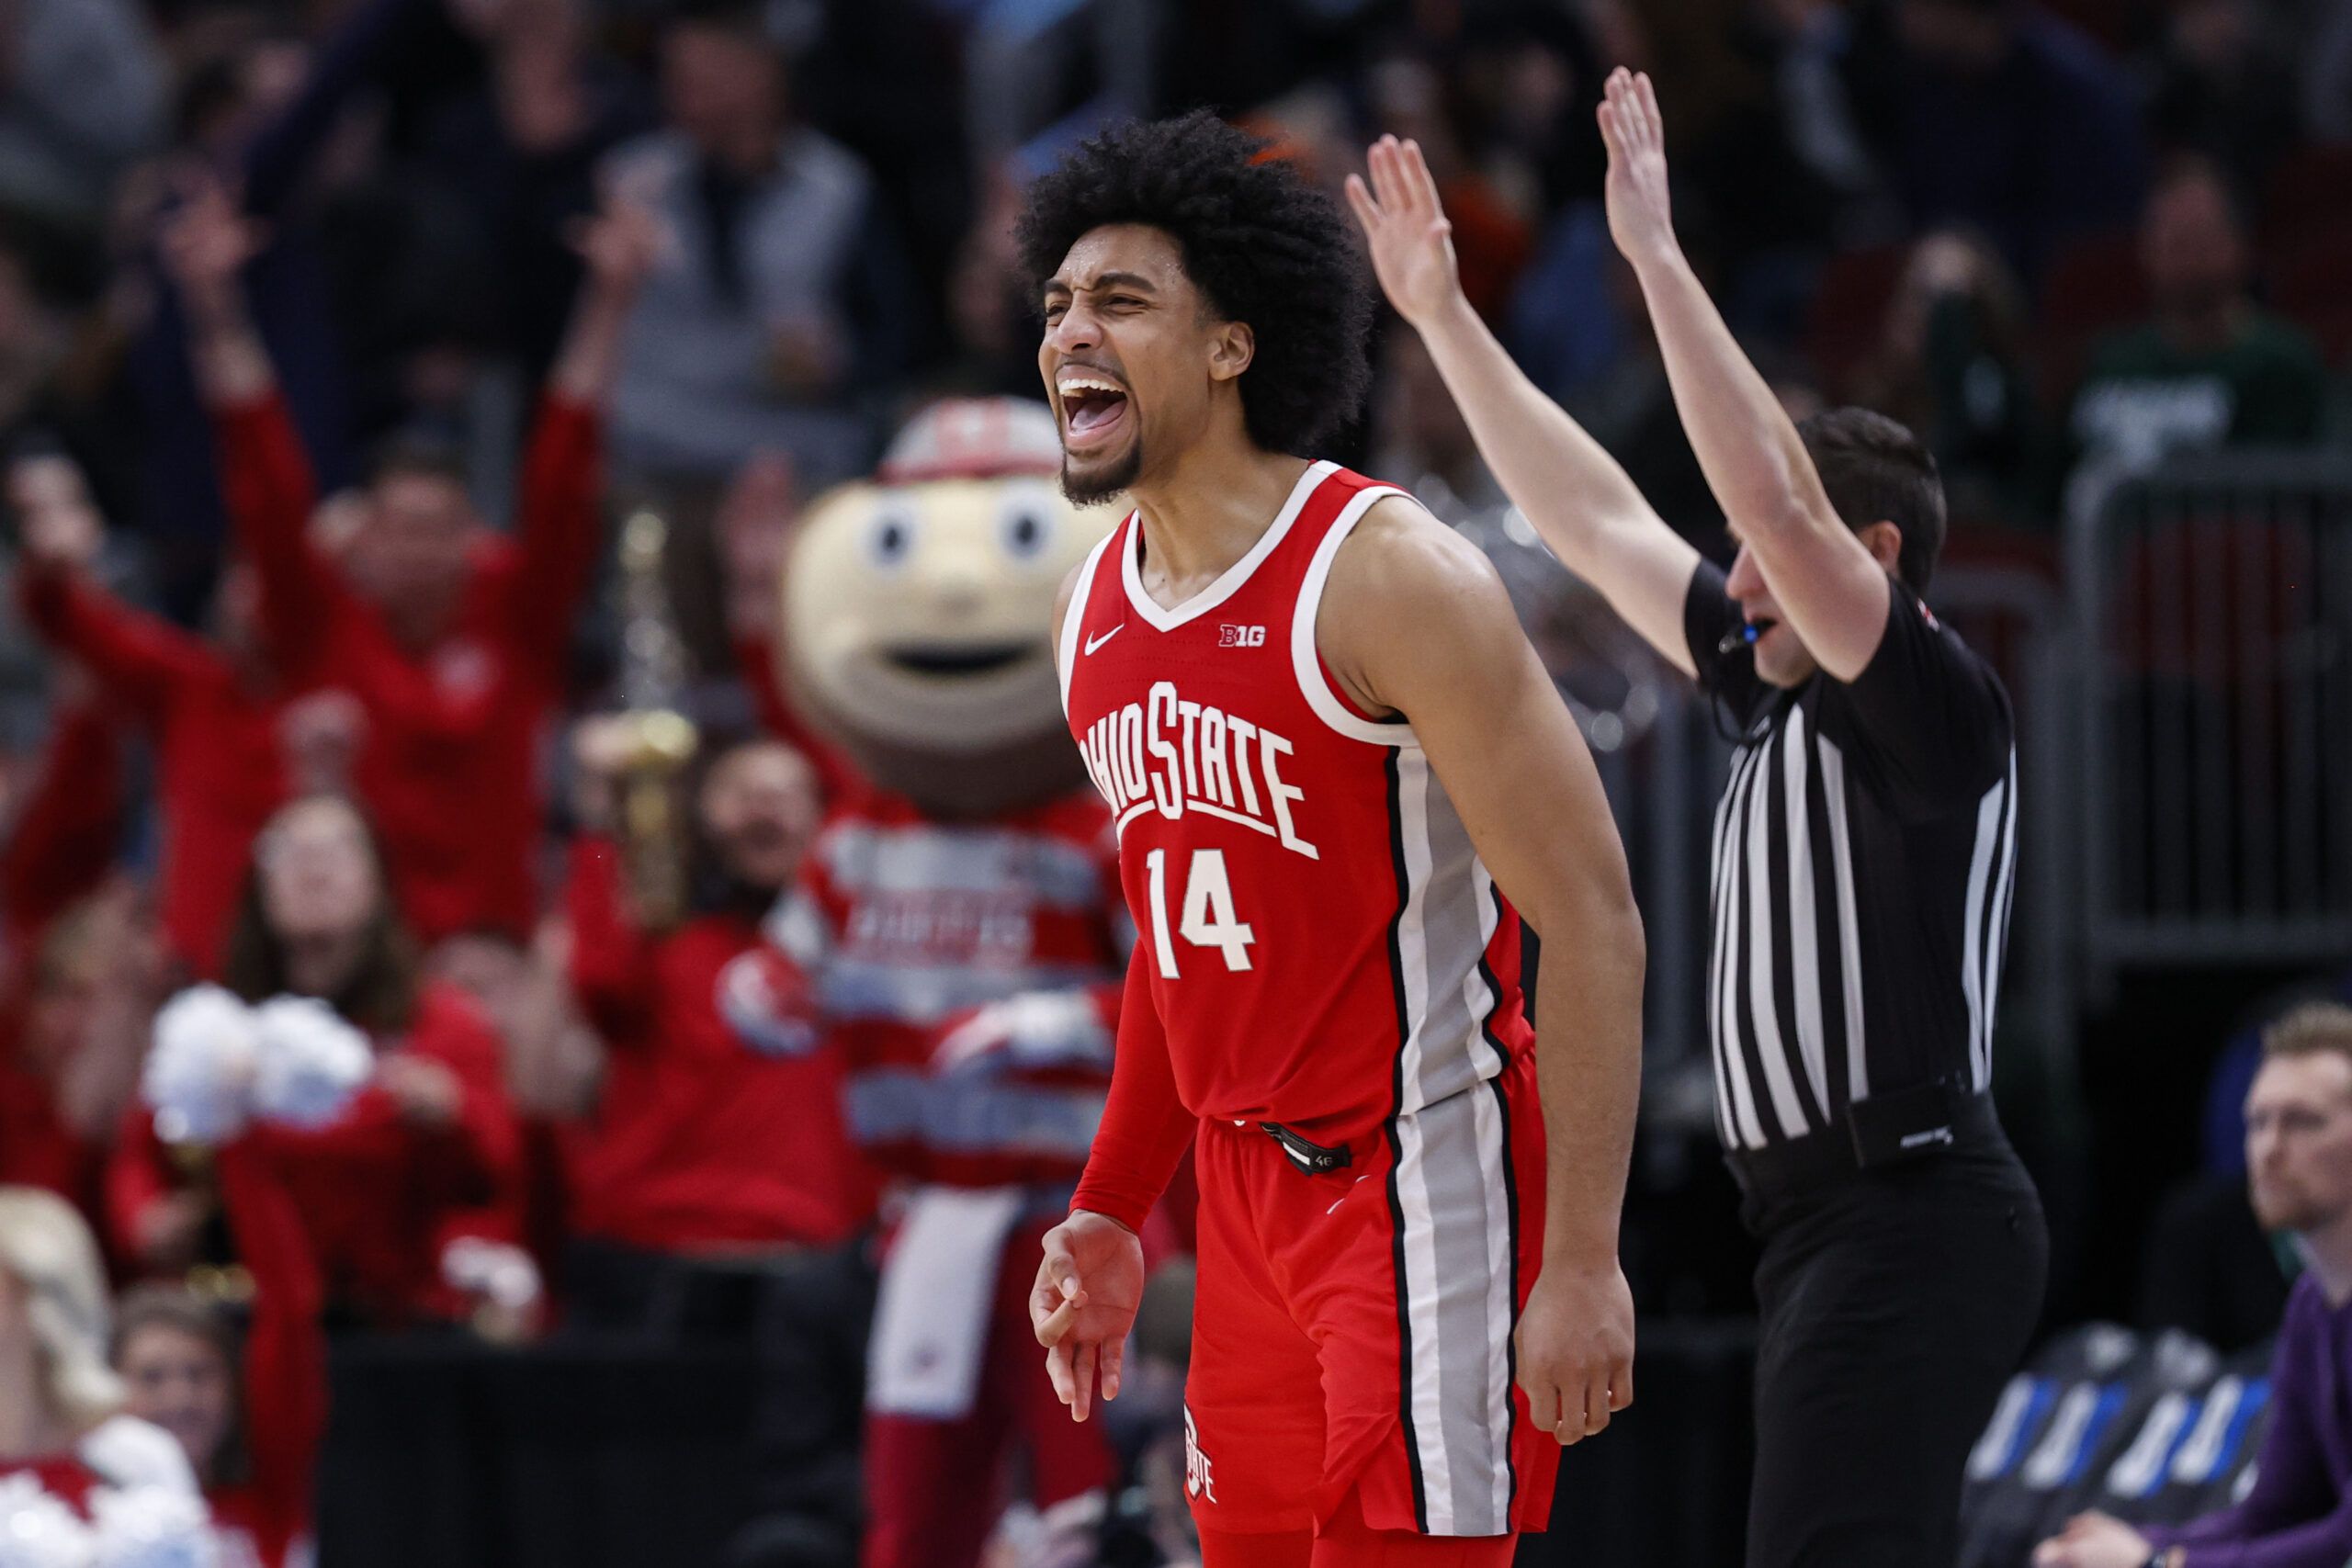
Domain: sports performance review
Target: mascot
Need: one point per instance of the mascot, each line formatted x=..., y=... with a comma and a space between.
x=961, y=922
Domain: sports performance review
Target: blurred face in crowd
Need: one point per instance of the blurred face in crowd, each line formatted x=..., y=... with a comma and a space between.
x=723, y=86
x=1957, y=35
x=2191, y=246
x=2298, y=1140
x=1133, y=358
x=318, y=873
x=180, y=1381
x=760, y=809
x=414, y=556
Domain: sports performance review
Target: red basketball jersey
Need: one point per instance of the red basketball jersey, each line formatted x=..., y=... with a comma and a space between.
x=1325, y=948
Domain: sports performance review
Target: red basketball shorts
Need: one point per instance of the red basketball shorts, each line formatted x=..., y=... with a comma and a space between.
x=1353, y=1329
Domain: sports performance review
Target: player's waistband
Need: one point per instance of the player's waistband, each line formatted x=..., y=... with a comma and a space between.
x=1321, y=1145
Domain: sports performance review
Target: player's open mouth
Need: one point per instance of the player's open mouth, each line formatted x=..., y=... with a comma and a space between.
x=941, y=660
x=1093, y=408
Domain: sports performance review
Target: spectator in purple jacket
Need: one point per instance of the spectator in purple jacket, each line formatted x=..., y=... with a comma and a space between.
x=2299, y=1166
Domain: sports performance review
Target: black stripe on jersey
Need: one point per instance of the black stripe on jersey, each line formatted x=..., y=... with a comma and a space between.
x=1510, y=1344
x=1829, y=943
x=1784, y=985
x=1743, y=942
x=1397, y=1150
x=1511, y=1202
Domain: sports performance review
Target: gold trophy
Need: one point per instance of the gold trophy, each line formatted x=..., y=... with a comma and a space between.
x=661, y=739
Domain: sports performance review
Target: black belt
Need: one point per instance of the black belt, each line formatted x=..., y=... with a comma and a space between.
x=1891, y=1129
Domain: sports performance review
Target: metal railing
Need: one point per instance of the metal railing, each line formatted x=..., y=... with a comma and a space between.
x=2213, y=664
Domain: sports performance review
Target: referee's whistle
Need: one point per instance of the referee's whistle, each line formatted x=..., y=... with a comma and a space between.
x=1741, y=635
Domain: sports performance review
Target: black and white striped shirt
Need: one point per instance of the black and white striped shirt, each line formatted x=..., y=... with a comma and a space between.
x=1864, y=856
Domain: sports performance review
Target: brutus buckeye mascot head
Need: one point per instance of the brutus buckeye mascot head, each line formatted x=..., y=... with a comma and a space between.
x=917, y=610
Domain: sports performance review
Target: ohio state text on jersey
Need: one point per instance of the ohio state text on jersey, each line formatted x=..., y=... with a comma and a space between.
x=1327, y=948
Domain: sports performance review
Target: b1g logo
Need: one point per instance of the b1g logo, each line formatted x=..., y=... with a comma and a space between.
x=1197, y=1479
x=1230, y=635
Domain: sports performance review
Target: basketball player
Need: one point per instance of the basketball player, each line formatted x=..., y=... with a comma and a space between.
x=1338, y=772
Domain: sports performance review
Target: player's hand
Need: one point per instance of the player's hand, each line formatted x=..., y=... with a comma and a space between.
x=2093, y=1541
x=1641, y=202
x=1407, y=231
x=1576, y=1347
x=1088, y=1289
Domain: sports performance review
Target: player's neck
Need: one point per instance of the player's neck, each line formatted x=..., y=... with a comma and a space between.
x=1204, y=516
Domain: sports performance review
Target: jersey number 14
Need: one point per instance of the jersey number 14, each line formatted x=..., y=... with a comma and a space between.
x=1207, y=919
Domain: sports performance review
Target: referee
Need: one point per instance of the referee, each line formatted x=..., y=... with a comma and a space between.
x=1863, y=857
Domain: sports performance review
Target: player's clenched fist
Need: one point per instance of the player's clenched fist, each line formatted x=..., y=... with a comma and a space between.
x=1576, y=1347
x=1088, y=1286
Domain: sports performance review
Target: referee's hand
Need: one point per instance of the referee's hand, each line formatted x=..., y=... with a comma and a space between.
x=1576, y=1347
x=1089, y=1285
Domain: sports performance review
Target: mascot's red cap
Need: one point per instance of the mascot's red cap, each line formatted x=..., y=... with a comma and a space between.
x=974, y=438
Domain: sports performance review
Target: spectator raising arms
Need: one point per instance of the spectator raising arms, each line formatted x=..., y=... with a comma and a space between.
x=422, y=1157
x=719, y=1129
x=211, y=708
x=453, y=641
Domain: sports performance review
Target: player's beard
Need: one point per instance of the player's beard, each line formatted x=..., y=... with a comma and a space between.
x=1085, y=489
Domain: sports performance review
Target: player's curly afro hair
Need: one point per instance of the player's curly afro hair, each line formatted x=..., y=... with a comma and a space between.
x=1264, y=246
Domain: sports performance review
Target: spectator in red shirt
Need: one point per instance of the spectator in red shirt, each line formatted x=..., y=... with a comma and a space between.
x=426, y=1156
x=452, y=639
x=211, y=708
x=250, y=1422
x=720, y=1132
x=76, y=960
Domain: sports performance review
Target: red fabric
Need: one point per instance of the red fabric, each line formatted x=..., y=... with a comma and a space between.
x=64, y=835
x=63, y=1476
x=1297, y=1337
x=934, y=1489
x=378, y=1198
x=285, y=1392
x=37, y=1149
x=1146, y=1128
x=909, y=924
x=59, y=850
x=219, y=769
x=1265, y=844
x=450, y=764
x=721, y=1118
x=755, y=661
x=1348, y=1542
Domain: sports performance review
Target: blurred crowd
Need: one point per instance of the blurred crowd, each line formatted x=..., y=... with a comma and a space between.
x=333, y=334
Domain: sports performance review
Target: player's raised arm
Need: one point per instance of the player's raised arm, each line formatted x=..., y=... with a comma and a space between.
x=1824, y=578
x=1571, y=490
x=1501, y=742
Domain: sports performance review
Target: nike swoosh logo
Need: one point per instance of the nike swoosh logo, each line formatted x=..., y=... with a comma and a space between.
x=1095, y=642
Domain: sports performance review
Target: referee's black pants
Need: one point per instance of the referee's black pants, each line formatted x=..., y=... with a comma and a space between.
x=1895, y=1302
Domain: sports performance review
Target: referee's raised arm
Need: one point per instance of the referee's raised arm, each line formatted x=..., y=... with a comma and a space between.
x=1827, y=580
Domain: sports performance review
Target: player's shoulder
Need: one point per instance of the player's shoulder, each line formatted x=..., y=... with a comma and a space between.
x=1400, y=559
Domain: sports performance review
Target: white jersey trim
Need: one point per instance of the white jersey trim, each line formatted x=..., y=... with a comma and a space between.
x=1167, y=620
x=1074, y=617
x=1306, y=665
